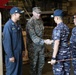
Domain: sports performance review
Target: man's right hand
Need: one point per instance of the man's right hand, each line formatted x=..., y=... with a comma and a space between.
x=12, y=59
x=48, y=41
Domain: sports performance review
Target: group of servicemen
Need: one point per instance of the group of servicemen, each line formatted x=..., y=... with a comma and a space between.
x=14, y=45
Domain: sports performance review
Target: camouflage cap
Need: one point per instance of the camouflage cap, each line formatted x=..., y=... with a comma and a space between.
x=37, y=10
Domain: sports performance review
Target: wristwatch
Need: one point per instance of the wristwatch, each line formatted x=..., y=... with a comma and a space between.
x=53, y=58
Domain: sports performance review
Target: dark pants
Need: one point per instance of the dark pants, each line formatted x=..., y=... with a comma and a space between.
x=14, y=68
x=74, y=66
x=74, y=61
x=36, y=61
x=61, y=68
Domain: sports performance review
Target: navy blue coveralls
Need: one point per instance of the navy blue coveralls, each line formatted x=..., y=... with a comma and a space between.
x=13, y=46
x=73, y=48
x=60, y=33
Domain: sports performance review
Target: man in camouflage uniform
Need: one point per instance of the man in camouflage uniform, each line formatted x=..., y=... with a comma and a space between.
x=35, y=42
x=61, y=49
x=73, y=45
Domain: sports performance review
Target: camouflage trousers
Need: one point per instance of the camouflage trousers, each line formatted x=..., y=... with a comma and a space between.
x=36, y=62
x=61, y=68
x=74, y=66
x=74, y=61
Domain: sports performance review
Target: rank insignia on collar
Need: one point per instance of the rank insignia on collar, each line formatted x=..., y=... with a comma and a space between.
x=13, y=28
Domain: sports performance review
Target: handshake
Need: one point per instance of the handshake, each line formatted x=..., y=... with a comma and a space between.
x=48, y=41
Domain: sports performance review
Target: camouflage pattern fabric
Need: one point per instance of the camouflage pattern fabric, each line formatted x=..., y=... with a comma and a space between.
x=73, y=48
x=35, y=45
x=61, y=32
